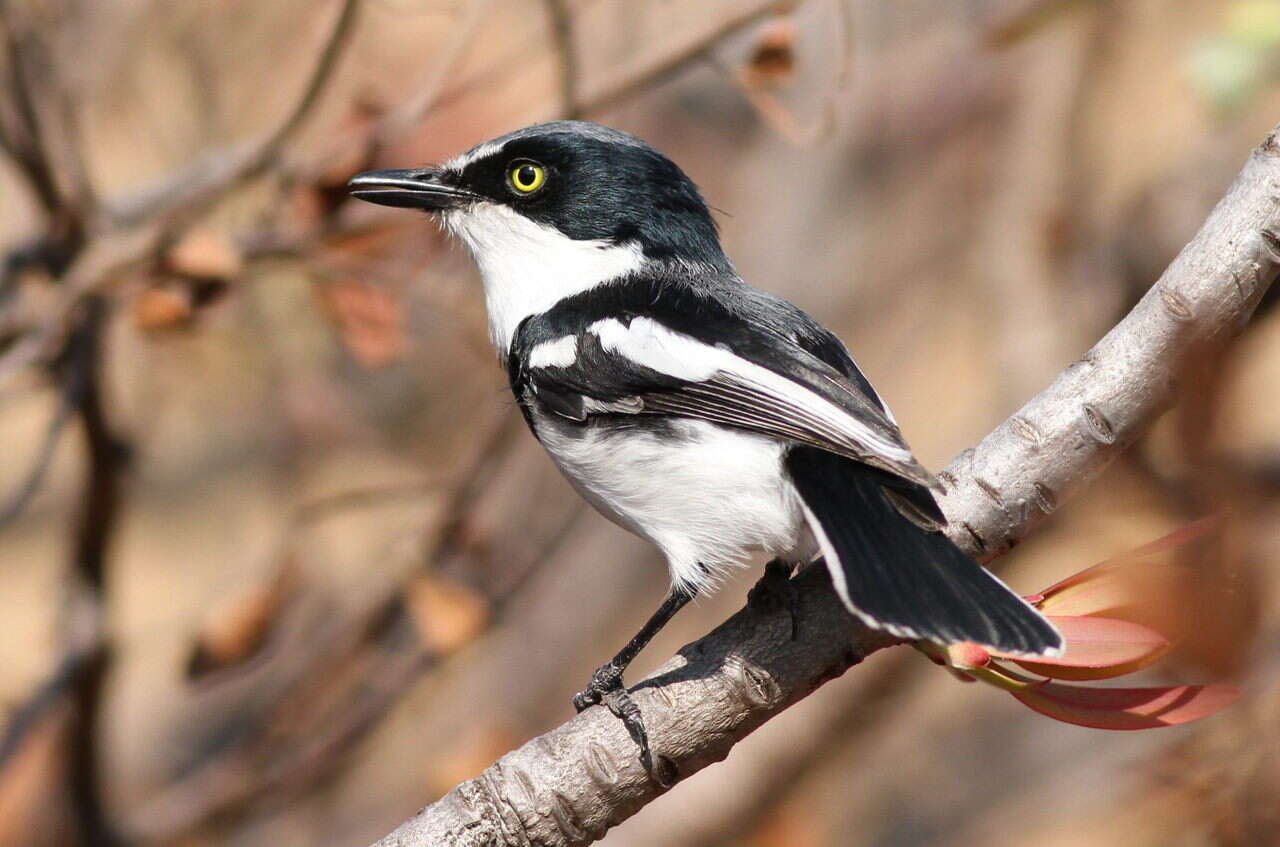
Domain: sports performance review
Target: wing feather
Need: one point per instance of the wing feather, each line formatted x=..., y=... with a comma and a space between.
x=640, y=366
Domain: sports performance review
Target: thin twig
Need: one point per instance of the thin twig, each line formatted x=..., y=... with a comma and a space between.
x=328, y=700
x=343, y=502
x=629, y=81
x=128, y=248
x=28, y=716
x=29, y=149
x=143, y=227
x=210, y=176
x=568, y=786
x=567, y=53
x=410, y=113
x=30, y=484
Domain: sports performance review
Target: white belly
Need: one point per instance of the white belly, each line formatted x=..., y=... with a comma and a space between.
x=707, y=498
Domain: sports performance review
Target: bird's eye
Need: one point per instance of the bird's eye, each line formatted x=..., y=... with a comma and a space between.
x=526, y=177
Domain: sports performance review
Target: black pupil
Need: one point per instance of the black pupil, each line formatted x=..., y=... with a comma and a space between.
x=525, y=176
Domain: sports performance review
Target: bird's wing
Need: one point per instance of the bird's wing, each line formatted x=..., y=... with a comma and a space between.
x=753, y=379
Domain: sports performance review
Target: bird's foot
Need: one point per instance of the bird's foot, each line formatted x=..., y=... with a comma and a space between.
x=775, y=590
x=606, y=688
x=606, y=680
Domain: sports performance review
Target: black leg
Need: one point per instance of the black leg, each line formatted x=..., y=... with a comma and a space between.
x=775, y=590
x=606, y=683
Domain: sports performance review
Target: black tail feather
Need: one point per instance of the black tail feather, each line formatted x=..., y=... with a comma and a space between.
x=896, y=575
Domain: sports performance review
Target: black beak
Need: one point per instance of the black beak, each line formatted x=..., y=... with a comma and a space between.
x=419, y=188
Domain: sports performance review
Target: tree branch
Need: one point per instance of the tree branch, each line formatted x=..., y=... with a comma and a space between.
x=568, y=786
x=1000, y=490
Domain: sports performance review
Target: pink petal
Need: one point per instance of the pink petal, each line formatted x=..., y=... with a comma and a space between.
x=1100, y=648
x=1126, y=708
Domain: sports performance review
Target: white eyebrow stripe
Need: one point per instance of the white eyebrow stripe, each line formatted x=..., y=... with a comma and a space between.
x=560, y=353
x=475, y=154
x=650, y=344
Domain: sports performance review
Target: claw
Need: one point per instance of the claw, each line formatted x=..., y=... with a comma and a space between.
x=606, y=680
x=606, y=689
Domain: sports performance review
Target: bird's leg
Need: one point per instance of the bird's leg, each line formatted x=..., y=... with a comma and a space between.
x=606, y=683
x=775, y=590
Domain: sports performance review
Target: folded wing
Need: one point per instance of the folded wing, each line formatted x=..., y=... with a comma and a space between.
x=638, y=365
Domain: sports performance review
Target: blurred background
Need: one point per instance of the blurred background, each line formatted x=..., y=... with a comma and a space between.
x=279, y=562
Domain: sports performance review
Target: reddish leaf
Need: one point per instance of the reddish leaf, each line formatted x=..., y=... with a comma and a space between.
x=1172, y=541
x=163, y=308
x=1155, y=593
x=1100, y=648
x=1126, y=708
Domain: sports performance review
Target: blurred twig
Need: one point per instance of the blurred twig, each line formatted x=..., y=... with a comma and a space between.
x=410, y=113
x=349, y=676
x=629, y=81
x=136, y=231
x=30, y=484
x=95, y=529
x=567, y=53
x=205, y=180
x=26, y=716
x=570, y=785
x=24, y=143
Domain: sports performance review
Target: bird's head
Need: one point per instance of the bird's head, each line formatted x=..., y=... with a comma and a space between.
x=556, y=209
x=572, y=180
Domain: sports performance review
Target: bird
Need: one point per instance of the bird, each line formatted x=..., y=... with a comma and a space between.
x=710, y=417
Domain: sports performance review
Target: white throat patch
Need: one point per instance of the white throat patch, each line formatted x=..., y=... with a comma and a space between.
x=527, y=267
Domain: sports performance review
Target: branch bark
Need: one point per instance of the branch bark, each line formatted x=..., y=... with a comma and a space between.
x=568, y=786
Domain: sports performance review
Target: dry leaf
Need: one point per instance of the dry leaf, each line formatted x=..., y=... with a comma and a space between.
x=207, y=254
x=447, y=613
x=239, y=627
x=163, y=307
x=370, y=320
x=773, y=60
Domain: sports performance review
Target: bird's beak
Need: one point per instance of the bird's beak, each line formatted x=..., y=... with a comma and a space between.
x=419, y=188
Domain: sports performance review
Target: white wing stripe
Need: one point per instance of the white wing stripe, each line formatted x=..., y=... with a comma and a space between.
x=560, y=353
x=648, y=343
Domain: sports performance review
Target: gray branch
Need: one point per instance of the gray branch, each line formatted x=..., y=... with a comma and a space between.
x=568, y=786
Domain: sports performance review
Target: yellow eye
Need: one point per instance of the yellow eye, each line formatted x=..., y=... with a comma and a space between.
x=527, y=177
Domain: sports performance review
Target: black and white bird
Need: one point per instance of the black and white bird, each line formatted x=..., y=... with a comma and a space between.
x=707, y=416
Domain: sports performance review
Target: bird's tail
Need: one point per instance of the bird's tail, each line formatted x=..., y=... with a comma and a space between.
x=896, y=571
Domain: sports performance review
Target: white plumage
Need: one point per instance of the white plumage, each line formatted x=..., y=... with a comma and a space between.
x=527, y=267
x=555, y=354
x=647, y=342
x=706, y=498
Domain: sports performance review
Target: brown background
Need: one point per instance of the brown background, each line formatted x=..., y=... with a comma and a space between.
x=346, y=578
